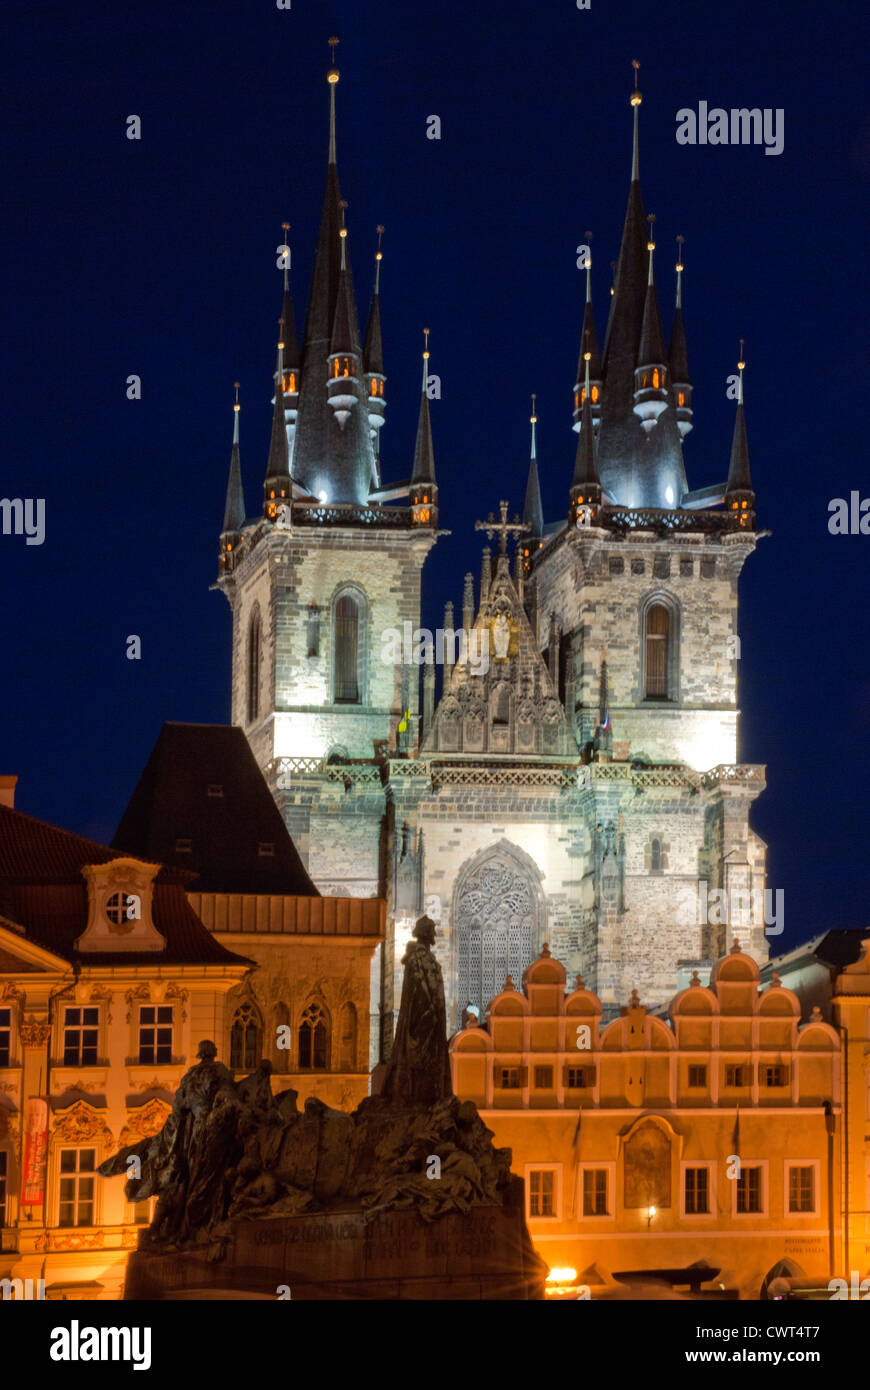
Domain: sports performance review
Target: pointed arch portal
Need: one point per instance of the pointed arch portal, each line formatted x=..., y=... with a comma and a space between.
x=497, y=912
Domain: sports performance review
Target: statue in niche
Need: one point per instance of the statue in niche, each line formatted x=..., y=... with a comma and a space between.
x=501, y=636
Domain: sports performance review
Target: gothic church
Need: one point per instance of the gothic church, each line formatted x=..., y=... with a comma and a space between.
x=579, y=786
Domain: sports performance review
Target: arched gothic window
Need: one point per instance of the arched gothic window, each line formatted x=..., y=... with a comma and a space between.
x=346, y=650
x=245, y=1039
x=254, y=666
x=314, y=1039
x=347, y=1038
x=655, y=856
x=495, y=915
x=658, y=638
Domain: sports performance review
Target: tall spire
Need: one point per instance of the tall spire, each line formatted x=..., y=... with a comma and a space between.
x=636, y=470
x=332, y=457
x=423, y=493
x=680, y=381
x=234, y=511
x=739, y=496
x=533, y=511
x=588, y=343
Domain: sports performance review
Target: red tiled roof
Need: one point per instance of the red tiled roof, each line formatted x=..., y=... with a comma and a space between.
x=42, y=888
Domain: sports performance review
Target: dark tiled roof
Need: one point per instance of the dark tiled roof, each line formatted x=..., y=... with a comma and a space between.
x=374, y=353
x=424, y=452
x=234, y=510
x=739, y=477
x=42, y=884
x=172, y=803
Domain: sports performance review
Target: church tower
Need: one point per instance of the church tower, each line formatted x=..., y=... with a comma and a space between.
x=331, y=563
x=577, y=780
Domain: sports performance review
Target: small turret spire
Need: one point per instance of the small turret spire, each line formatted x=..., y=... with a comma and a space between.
x=588, y=343
x=234, y=510
x=423, y=493
x=332, y=79
x=739, y=495
x=585, y=495
x=277, y=484
x=651, y=372
x=679, y=364
x=373, y=360
x=533, y=512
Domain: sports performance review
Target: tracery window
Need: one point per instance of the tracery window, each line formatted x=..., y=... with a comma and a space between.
x=658, y=626
x=314, y=1039
x=245, y=1039
x=495, y=927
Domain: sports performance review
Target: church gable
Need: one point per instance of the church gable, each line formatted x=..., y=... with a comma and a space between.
x=499, y=697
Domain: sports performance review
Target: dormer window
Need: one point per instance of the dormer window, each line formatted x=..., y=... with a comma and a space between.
x=266, y=849
x=183, y=846
x=214, y=789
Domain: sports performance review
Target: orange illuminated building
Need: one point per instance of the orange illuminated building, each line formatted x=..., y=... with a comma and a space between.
x=654, y=1143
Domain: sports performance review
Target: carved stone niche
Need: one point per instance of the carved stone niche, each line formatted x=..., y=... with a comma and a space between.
x=120, y=896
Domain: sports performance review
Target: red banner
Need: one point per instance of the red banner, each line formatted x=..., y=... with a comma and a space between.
x=35, y=1150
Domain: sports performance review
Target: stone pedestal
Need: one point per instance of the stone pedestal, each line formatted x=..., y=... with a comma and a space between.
x=485, y=1253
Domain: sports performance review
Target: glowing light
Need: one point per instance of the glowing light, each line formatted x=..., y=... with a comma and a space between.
x=560, y=1275
x=321, y=496
x=669, y=496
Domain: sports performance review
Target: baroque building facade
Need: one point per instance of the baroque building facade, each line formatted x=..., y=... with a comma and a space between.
x=709, y=1148
x=577, y=779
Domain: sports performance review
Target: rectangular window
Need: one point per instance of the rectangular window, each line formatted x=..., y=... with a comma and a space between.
x=5, y=1036
x=697, y=1076
x=80, y=1034
x=77, y=1167
x=542, y=1187
x=708, y=569
x=686, y=568
x=662, y=567
x=215, y=789
x=183, y=846
x=749, y=1190
x=266, y=849
x=801, y=1189
x=4, y=1169
x=544, y=1078
x=579, y=1077
x=155, y=1034
x=509, y=1078
x=617, y=564
x=697, y=1194
x=595, y=1192
x=774, y=1076
x=736, y=1076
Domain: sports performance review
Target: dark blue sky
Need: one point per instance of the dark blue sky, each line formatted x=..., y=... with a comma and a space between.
x=157, y=258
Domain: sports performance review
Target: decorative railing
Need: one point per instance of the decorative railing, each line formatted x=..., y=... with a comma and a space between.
x=735, y=774
x=664, y=519
x=347, y=514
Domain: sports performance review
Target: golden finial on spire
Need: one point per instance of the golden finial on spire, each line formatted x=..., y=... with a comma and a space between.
x=379, y=256
x=613, y=265
x=236, y=409
x=332, y=75
x=740, y=367
x=281, y=334
x=650, y=217
x=533, y=420
x=425, y=360
x=637, y=96
x=236, y=406
x=285, y=227
x=680, y=240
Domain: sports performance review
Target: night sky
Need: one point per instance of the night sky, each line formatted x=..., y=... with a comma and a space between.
x=157, y=258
